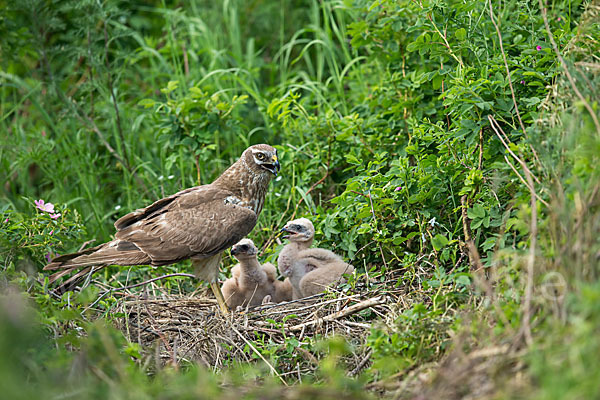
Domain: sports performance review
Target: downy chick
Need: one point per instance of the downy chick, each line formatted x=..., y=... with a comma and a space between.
x=283, y=289
x=313, y=273
x=250, y=283
x=301, y=233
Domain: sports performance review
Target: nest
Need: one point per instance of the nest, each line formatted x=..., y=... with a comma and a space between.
x=184, y=328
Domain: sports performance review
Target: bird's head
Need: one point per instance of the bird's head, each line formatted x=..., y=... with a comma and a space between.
x=299, y=230
x=262, y=158
x=244, y=249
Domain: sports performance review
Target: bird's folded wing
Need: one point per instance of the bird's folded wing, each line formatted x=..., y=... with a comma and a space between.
x=163, y=204
x=197, y=222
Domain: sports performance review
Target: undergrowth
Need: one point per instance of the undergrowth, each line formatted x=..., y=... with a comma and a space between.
x=401, y=135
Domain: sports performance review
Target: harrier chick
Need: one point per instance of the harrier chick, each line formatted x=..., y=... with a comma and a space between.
x=250, y=282
x=321, y=269
x=301, y=233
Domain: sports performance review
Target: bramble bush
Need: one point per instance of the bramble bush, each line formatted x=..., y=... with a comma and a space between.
x=39, y=233
x=380, y=110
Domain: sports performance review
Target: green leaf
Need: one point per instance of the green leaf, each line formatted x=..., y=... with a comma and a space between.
x=146, y=103
x=489, y=244
x=462, y=279
x=439, y=241
x=413, y=46
x=399, y=240
x=172, y=85
x=352, y=159
x=437, y=82
x=476, y=212
x=461, y=34
x=476, y=223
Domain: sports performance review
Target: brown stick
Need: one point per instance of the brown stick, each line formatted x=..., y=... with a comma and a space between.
x=512, y=91
x=530, y=263
x=499, y=132
x=362, y=363
x=477, y=268
x=139, y=284
x=340, y=314
x=186, y=64
x=313, y=186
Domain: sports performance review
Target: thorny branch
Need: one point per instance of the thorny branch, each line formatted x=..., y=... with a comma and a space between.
x=530, y=263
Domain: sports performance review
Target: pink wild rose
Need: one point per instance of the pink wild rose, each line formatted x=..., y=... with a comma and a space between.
x=55, y=216
x=43, y=206
x=539, y=48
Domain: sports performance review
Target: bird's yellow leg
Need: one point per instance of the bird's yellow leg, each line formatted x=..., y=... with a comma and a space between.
x=207, y=269
x=220, y=299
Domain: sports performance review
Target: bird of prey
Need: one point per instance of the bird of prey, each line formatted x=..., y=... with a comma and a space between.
x=197, y=223
x=250, y=282
x=311, y=274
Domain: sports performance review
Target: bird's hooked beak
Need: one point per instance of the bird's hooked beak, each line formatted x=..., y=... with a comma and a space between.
x=288, y=230
x=273, y=165
x=284, y=230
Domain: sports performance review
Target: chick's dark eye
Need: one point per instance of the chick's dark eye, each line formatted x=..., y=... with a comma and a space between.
x=243, y=248
x=260, y=156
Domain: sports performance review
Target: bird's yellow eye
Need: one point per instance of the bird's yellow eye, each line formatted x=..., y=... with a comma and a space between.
x=260, y=156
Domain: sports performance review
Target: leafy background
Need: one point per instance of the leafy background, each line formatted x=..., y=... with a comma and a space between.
x=383, y=112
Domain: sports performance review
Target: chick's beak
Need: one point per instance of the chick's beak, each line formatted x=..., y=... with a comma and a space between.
x=289, y=231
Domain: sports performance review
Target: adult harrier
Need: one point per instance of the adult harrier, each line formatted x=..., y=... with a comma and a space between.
x=197, y=223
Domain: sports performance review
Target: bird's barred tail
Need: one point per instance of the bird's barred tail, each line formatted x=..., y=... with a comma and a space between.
x=88, y=261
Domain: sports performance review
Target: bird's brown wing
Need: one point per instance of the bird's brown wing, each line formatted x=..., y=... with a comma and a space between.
x=196, y=223
x=158, y=207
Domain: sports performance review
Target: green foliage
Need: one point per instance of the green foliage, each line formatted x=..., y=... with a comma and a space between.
x=570, y=369
x=379, y=110
x=196, y=123
x=401, y=346
x=40, y=236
